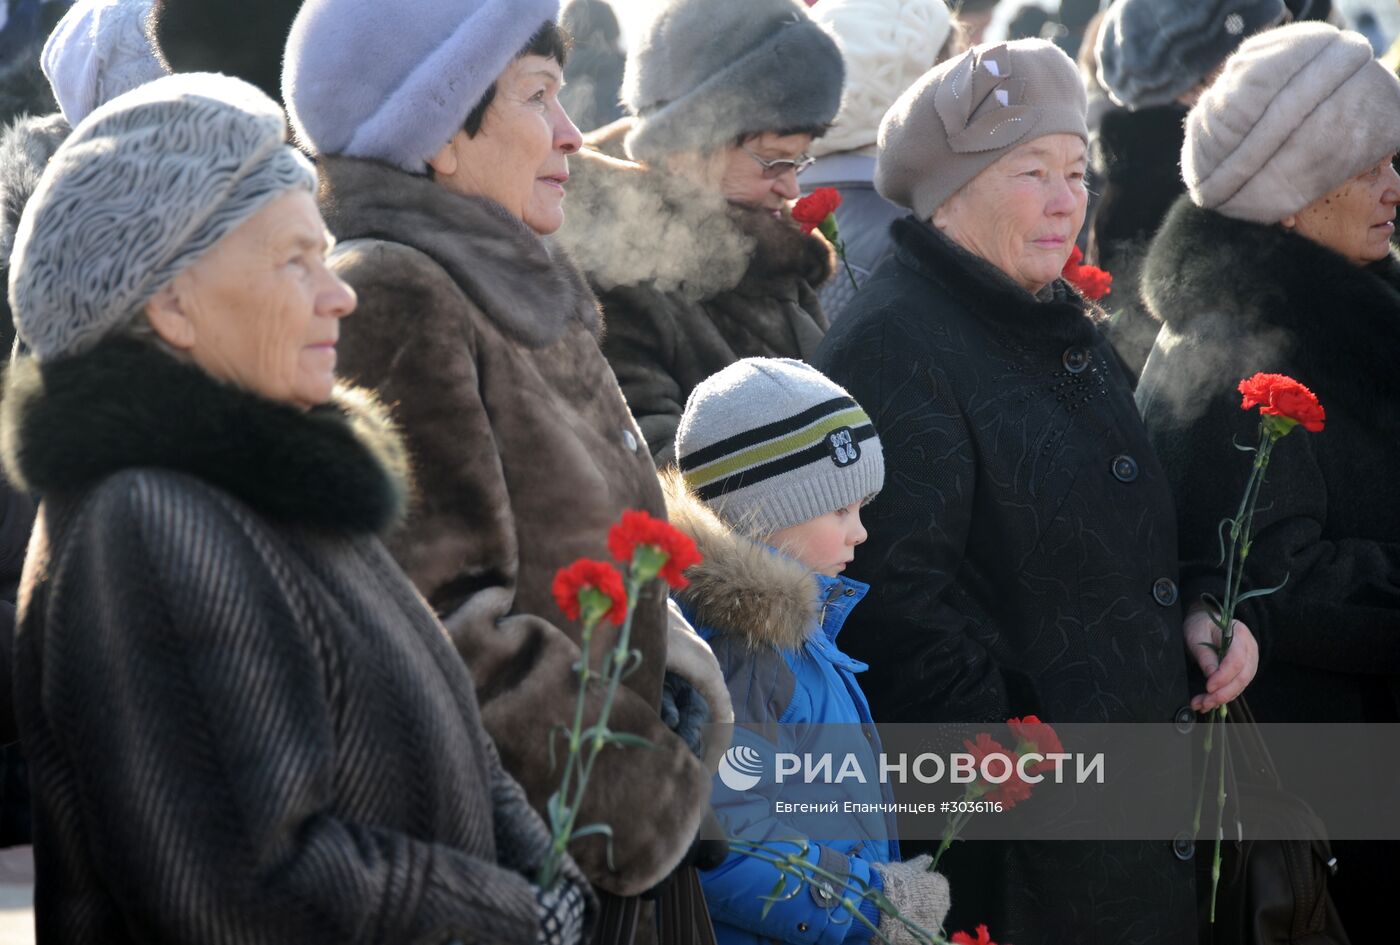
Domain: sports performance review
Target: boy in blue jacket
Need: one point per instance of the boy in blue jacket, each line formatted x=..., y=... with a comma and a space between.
x=775, y=462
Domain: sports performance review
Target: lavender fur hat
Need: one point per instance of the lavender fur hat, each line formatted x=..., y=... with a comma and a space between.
x=370, y=79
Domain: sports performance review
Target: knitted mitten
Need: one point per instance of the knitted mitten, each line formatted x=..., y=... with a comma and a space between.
x=920, y=896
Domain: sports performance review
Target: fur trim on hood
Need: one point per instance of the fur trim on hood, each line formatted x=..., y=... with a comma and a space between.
x=71, y=422
x=628, y=224
x=742, y=587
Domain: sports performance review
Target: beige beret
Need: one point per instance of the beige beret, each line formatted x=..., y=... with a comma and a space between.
x=965, y=114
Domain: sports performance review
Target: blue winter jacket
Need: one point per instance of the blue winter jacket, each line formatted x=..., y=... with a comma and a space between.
x=773, y=624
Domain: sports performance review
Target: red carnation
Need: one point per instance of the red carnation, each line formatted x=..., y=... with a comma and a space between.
x=1011, y=791
x=1092, y=282
x=812, y=210
x=586, y=575
x=1277, y=395
x=640, y=529
x=983, y=937
x=1037, y=736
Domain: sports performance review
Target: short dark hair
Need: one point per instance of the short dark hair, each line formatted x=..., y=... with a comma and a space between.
x=550, y=41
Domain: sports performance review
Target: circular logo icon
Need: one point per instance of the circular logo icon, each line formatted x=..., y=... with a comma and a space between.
x=741, y=768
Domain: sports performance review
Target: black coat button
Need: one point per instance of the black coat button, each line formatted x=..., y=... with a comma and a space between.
x=1183, y=846
x=1184, y=720
x=1075, y=360
x=1164, y=591
x=850, y=592
x=1125, y=468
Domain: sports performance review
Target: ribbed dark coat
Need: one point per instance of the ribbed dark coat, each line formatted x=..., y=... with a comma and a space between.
x=244, y=725
x=688, y=284
x=1022, y=560
x=483, y=340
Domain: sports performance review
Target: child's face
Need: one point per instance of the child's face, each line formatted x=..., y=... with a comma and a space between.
x=827, y=543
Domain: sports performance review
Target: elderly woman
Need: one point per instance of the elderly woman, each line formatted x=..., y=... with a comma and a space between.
x=442, y=175
x=693, y=252
x=1023, y=555
x=1280, y=261
x=243, y=724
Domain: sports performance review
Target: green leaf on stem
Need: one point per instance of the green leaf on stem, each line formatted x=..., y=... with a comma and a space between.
x=1262, y=592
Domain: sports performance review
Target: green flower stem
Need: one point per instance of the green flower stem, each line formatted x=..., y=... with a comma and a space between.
x=582, y=755
x=796, y=866
x=841, y=251
x=1222, y=712
x=1205, y=775
x=950, y=833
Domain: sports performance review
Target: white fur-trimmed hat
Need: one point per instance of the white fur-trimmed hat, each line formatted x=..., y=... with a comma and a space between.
x=394, y=82
x=1297, y=112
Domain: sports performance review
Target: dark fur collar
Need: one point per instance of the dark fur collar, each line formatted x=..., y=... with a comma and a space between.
x=520, y=281
x=25, y=149
x=1279, y=301
x=627, y=224
x=71, y=422
x=742, y=586
x=1058, y=314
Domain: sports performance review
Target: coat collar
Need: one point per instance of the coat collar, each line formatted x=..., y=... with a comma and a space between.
x=746, y=588
x=71, y=422
x=1059, y=314
x=522, y=282
x=1307, y=310
x=629, y=224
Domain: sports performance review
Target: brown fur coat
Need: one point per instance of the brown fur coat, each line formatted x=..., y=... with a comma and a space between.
x=689, y=283
x=524, y=454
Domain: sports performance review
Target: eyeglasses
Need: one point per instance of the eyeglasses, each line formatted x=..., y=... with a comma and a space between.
x=772, y=170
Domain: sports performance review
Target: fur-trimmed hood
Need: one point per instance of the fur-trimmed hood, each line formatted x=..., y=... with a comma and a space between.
x=522, y=282
x=68, y=423
x=628, y=224
x=743, y=586
x=1264, y=298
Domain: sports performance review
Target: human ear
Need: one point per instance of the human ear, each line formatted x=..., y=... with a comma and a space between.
x=165, y=311
x=1289, y=222
x=444, y=162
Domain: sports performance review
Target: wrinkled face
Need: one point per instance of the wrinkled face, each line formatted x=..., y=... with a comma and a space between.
x=825, y=544
x=261, y=310
x=742, y=179
x=1023, y=213
x=1357, y=219
x=519, y=157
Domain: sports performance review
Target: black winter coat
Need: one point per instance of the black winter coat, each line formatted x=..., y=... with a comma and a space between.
x=1237, y=298
x=1022, y=559
x=1137, y=160
x=243, y=723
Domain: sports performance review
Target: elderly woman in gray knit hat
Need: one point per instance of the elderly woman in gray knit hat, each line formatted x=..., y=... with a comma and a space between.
x=442, y=174
x=243, y=724
x=1279, y=260
x=1023, y=555
x=692, y=250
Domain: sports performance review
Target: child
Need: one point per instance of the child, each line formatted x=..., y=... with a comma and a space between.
x=775, y=462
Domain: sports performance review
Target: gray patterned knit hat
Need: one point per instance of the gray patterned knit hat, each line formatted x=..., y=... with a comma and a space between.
x=144, y=186
x=818, y=452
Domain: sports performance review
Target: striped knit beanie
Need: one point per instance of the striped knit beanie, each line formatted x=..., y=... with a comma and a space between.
x=819, y=452
x=143, y=187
